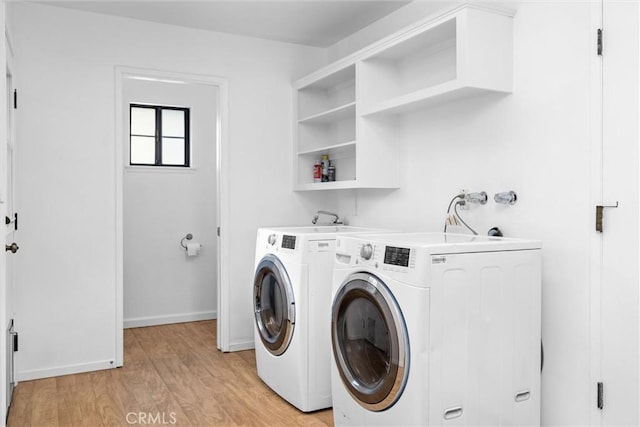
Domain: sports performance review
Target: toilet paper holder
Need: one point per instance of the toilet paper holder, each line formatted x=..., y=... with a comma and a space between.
x=189, y=236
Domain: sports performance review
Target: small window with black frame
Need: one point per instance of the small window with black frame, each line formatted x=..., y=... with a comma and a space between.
x=159, y=136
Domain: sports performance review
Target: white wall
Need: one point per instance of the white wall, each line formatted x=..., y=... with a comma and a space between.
x=535, y=142
x=66, y=274
x=161, y=205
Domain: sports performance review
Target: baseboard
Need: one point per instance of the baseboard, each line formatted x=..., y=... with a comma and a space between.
x=36, y=374
x=246, y=345
x=139, y=322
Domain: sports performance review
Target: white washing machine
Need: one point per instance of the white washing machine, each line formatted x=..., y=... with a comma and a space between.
x=292, y=307
x=436, y=329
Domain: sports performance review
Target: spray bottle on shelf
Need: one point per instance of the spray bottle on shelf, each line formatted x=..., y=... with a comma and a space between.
x=325, y=167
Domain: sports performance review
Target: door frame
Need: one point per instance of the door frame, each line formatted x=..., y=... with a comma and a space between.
x=222, y=197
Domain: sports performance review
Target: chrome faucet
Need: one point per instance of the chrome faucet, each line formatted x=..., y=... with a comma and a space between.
x=336, y=219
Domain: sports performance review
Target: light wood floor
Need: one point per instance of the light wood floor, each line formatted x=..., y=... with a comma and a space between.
x=175, y=374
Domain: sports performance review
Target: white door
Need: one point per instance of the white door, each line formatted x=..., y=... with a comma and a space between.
x=618, y=338
x=10, y=230
x=9, y=274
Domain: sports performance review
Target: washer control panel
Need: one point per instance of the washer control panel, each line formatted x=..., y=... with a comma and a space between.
x=288, y=242
x=366, y=252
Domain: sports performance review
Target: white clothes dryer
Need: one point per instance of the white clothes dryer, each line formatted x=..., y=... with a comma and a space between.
x=436, y=329
x=292, y=308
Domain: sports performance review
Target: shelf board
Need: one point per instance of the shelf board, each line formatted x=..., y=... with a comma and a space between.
x=331, y=79
x=341, y=185
x=335, y=114
x=431, y=39
x=334, y=185
x=327, y=148
x=422, y=98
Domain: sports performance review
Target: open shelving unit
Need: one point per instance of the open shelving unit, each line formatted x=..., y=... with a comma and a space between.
x=326, y=124
x=349, y=109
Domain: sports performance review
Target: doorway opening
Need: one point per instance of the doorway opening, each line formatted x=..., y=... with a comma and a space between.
x=163, y=277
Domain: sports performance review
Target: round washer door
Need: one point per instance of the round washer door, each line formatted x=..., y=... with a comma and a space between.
x=274, y=305
x=370, y=341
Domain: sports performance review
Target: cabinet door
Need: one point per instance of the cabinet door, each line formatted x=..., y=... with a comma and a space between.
x=487, y=310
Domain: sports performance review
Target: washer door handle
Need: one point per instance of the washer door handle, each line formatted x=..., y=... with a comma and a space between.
x=292, y=312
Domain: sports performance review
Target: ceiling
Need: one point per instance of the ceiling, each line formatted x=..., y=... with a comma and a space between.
x=308, y=22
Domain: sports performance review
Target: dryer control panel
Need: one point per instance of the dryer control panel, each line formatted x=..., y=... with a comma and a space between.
x=386, y=257
x=396, y=256
x=376, y=256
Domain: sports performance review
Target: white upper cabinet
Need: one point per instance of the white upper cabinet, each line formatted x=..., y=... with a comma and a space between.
x=467, y=53
x=348, y=110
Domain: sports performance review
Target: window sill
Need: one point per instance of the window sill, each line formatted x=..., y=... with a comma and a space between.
x=160, y=169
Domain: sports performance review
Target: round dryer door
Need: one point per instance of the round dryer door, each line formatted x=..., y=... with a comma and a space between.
x=370, y=342
x=274, y=306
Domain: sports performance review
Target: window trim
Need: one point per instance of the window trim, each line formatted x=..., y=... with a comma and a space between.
x=158, y=135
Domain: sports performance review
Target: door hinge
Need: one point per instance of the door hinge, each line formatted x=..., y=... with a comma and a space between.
x=600, y=215
x=600, y=41
x=600, y=396
x=8, y=221
x=14, y=335
x=15, y=99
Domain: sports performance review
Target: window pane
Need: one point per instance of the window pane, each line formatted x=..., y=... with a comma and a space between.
x=143, y=150
x=173, y=123
x=143, y=121
x=173, y=151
